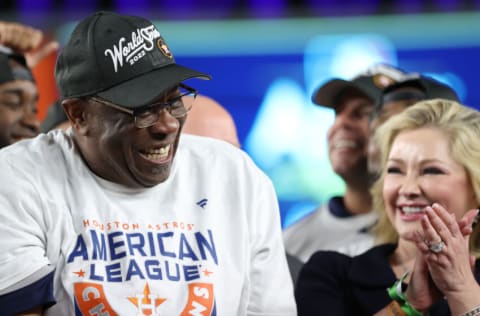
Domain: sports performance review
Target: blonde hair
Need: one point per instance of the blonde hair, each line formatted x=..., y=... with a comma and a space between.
x=462, y=127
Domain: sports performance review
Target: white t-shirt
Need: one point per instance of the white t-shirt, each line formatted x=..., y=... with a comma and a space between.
x=207, y=241
x=322, y=230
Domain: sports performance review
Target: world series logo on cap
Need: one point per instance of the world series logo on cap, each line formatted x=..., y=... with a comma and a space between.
x=142, y=41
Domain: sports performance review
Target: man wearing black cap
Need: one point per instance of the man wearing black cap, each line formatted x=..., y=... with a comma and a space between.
x=118, y=215
x=18, y=99
x=396, y=98
x=341, y=223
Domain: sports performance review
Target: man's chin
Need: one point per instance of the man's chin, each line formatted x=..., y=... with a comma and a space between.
x=157, y=176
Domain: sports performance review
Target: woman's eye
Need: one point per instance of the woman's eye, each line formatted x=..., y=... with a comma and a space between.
x=393, y=170
x=433, y=170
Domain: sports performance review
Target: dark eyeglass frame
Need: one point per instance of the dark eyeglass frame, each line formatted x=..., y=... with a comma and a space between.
x=157, y=107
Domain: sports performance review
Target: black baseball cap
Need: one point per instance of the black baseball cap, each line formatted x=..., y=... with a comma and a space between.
x=329, y=93
x=369, y=84
x=425, y=88
x=120, y=58
x=9, y=73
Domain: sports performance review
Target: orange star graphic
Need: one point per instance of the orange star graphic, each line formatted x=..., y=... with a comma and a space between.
x=146, y=300
x=80, y=273
x=206, y=272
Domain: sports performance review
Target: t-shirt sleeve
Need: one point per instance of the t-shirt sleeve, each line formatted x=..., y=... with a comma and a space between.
x=38, y=293
x=271, y=288
x=22, y=230
x=321, y=288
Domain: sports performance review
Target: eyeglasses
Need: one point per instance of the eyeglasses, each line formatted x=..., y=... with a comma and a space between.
x=149, y=114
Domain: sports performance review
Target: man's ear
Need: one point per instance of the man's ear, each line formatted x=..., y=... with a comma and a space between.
x=76, y=112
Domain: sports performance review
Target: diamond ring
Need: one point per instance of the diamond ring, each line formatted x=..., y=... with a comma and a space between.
x=436, y=247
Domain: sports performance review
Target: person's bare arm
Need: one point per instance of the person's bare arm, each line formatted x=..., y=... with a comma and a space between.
x=26, y=40
x=19, y=37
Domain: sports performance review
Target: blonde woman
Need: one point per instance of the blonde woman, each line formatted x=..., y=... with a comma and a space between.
x=427, y=195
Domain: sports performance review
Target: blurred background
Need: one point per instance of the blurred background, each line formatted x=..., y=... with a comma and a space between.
x=266, y=58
